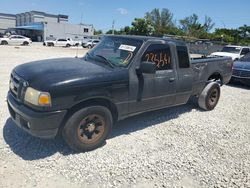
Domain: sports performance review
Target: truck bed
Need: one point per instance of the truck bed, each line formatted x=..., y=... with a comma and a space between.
x=219, y=70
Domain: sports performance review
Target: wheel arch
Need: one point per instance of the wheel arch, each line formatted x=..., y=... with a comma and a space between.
x=217, y=77
x=4, y=41
x=92, y=102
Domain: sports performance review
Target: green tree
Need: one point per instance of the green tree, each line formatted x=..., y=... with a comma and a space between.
x=116, y=32
x=141, y=26
x=161, y=21
x=192, y=27
x=126, y=30
x=98, y=32
x=226, y=35
x=208, y=25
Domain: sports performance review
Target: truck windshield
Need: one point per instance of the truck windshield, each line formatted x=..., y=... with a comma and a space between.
x=118, y=51
x=234, y=50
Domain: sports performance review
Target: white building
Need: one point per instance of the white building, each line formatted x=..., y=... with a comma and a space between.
x=40, y=25
x=7, y=21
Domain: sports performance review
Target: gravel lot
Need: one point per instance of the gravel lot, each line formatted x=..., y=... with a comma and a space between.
x=176, y=147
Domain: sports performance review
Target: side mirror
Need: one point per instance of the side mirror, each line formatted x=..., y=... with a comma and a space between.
x=147, y=67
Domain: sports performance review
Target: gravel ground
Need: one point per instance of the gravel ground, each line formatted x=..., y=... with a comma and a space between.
x=176, y=147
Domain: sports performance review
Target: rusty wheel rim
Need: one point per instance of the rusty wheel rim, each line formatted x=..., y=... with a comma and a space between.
x=91, y=129
x=213, y=97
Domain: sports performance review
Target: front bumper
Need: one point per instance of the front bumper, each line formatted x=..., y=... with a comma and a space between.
x=39, y=124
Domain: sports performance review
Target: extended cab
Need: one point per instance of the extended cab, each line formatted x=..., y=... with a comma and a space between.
x=81, y=98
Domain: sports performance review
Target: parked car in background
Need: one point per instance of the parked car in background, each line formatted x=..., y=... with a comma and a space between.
x=62, y=42
x=235, y=52
x=15, y=40
x=90, y=43
x=241, y=70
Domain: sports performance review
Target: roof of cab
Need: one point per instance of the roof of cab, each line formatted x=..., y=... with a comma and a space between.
x=146, y=38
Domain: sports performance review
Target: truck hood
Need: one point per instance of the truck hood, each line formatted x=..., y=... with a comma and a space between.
x=241, y=65
x=226, y=54
x=47, y=74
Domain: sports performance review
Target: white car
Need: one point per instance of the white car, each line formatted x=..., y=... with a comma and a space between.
x=90, y=43
x=235, y=52
x=15, y=40
x=61, y=42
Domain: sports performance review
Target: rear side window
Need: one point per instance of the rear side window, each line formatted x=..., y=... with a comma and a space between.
x=183, y=57
x=160, y=55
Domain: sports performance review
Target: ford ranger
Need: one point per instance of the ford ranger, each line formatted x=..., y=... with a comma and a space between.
x=81, y=98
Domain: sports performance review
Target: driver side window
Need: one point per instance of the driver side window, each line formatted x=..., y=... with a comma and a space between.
x=160, y=55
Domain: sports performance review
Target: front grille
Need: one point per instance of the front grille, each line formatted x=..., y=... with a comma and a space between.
x=16, y=86
x=241, y=73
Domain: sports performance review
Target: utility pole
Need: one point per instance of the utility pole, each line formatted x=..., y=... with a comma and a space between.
x=113, y=27
x=81, y=19
x=78, y=38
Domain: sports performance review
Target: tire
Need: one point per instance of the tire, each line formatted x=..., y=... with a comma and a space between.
x=50, y=44
x=88, y=128
x=4, y=42
x=68, y=45
x=89, y=46
x=25, y=43
x=210, y=96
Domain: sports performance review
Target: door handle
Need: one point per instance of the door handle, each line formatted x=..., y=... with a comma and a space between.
x=171, y=79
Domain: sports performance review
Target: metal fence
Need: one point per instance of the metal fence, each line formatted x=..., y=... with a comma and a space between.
x=204, y=49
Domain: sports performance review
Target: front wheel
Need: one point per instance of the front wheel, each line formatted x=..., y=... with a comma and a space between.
x=25, y=43
x=88, y=128
x=210, y=96
x=4, y=42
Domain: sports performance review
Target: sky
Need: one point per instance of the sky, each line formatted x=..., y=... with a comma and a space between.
x=101, y=13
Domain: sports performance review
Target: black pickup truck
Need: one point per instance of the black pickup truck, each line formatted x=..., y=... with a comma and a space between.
x=81, y=98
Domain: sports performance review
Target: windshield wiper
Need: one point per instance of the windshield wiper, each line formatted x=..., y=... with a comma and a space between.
x=106, y=60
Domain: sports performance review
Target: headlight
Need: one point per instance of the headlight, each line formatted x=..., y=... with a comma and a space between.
x=37, y=98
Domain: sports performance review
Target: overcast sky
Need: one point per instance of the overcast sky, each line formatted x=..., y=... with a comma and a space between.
x=101, y=13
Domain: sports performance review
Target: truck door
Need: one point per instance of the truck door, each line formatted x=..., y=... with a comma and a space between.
x=153, y=91
x=184, y=81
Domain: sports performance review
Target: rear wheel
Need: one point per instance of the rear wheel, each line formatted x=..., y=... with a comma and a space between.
x=210, y=96
x=50, y=44
x=68, y=45
x=88, y=128
x=4, y=42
